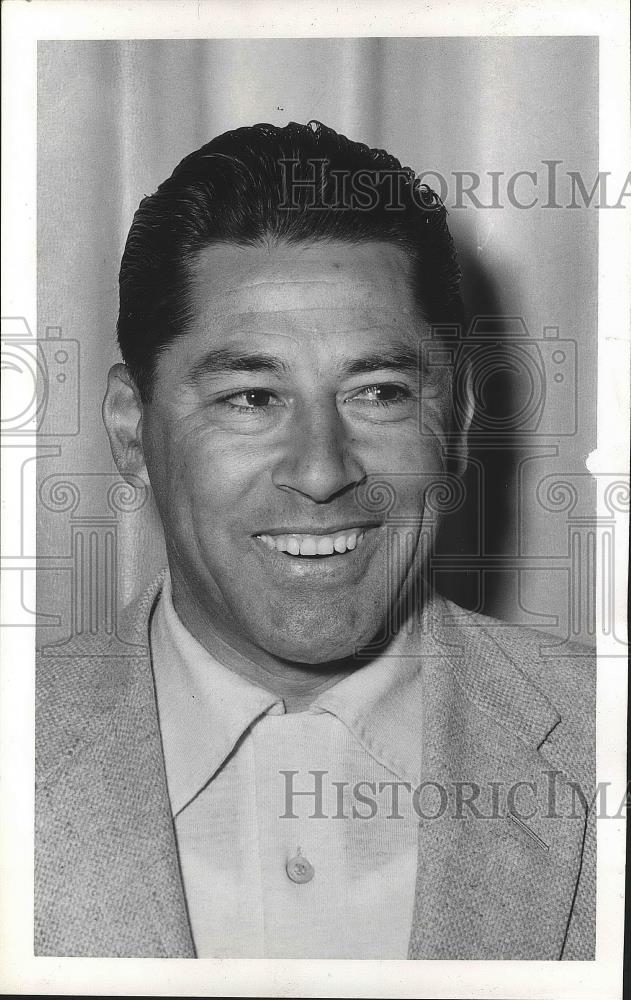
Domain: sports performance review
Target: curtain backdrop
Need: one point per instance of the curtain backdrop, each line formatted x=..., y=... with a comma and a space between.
x=115, y=118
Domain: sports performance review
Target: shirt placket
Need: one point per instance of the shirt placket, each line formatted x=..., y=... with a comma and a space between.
x=291, y=845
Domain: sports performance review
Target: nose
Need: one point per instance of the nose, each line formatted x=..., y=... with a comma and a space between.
x=319, y=458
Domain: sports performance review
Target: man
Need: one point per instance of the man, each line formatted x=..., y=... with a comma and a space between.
x=308, y=752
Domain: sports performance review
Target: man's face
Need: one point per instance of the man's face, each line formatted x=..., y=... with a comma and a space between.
x=296, y=384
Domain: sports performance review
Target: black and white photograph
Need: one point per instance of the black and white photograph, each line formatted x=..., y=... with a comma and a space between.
x=315, y=494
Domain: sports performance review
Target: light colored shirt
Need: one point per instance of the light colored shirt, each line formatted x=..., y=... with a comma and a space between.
x=237, y=764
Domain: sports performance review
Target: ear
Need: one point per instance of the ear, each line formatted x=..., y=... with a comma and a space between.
x=122, y=415
x=463, y=411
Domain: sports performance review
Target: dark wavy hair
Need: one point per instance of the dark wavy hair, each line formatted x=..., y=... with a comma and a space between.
x=296, y=184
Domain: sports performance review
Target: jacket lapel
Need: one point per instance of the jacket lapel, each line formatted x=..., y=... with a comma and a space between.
x=496, y=878
x=119, y=890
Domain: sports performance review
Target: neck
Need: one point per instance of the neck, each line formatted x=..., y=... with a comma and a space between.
x=298, y=684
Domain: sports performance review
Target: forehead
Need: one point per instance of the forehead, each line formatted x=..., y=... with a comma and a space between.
x=319, y=287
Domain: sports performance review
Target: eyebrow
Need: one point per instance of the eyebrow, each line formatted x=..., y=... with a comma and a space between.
x=400, y=358
x=222, y=361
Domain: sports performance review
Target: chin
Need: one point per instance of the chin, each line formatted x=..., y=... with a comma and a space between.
x=316, y=649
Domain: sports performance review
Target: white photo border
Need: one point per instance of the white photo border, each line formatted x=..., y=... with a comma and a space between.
x=25, y=23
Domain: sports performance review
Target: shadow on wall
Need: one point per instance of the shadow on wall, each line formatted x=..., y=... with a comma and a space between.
x=485, y=523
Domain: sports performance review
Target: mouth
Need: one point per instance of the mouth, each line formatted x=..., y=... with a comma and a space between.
x=315, y=546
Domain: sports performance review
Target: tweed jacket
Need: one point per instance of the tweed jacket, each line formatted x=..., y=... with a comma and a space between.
x=500, y=711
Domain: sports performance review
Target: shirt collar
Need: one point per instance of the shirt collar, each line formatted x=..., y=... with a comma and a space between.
x=380, y=703
x=205, y=708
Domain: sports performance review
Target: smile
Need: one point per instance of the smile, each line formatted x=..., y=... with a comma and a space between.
x=315, y=545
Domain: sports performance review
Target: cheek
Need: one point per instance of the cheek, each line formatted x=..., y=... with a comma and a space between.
x=216, y=487
x=413, y=469
x=411, y=450
x=191, y=457
x=177, y=472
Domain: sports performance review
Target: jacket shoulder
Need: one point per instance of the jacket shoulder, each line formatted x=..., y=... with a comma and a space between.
x=80, y=683
x=563, y=672
x=562, y=669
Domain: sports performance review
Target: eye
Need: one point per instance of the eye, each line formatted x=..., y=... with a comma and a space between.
x=383, y=394
x=252, y=399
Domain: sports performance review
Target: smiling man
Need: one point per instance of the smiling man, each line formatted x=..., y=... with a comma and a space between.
x=297, y=380
x=310, y=753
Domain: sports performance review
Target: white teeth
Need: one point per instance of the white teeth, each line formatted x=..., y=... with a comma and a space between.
x=312, y=545
x=325, y=546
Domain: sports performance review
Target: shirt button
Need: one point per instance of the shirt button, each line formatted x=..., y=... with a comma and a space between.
x=299, y=869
